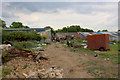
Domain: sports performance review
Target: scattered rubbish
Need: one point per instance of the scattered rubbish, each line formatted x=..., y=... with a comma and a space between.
x=40, y=56
x=32, y=75
x=47, y=41
x=106, y=59
x=5, y=47
x=57, y=47
x=111, y=42
x=76, y=45
x=85, y=46
x=43, y=58
x=114, y=43
x=44, y=44
x=25, y=75
x=37, y=48
x=96, y=55
x=85, y=54
x=84, y=41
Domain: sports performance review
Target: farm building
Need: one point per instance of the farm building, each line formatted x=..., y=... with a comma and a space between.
x=72, y=34
x=113, y=35
x=66, y=34
x=43, y=32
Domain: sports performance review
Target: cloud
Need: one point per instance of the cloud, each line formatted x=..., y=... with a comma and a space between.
x=59, y=14
x=60, y=0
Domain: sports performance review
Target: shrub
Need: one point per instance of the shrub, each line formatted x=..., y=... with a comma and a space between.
x=20, y=36
x=26, y=44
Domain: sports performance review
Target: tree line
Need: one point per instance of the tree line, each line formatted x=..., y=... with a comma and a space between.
x=73, y=28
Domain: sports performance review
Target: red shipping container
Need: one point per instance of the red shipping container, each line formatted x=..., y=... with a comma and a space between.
x=98, y=42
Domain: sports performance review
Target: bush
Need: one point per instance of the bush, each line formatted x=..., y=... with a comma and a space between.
x=20, y=36
x=24, y=44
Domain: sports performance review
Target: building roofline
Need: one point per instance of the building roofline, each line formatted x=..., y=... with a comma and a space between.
x=24, y=29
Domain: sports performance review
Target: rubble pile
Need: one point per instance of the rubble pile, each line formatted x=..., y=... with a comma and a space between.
x=29, y=65
x=53, y=72
x=21, y=66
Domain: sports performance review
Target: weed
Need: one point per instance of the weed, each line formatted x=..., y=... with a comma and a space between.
x=5, y=72
x=15, y=69
x=96, y=71
x=91, y=63
x=25, y=66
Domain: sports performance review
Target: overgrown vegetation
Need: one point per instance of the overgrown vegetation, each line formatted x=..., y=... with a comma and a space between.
x=2, y=23
x=24, y=44
x=20, y=36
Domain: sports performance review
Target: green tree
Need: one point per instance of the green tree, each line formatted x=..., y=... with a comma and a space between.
x=104, y=30
x=49, y=27
x=18, y=25
x=74, y=28
x=2, y=23
x=99, y=31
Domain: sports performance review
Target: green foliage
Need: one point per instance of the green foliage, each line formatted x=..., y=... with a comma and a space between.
x=73, y=28
x=20, y=36
x=112, y=54
x=24, y=45
x=102, y=31
x=2, y=23
x=114, y=41
x=18, y=25
x=5, y=72
x=52, y=30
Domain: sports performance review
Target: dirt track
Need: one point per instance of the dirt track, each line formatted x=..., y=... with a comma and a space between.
x=78, y=64
x=70, y=62
x=75, y=64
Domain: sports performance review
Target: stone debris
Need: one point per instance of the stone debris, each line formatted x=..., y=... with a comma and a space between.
x=25, y=75
x=5, y=47
x=32, y=75
x=53, y=72
x=26, y=67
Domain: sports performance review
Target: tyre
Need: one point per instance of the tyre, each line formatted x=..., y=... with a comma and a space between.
x=101, y=49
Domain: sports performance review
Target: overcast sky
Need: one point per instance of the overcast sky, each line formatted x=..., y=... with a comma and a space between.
x=92, y=15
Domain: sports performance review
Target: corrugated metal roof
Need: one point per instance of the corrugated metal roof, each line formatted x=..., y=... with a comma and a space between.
x=26, y=29
x=113, y=34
